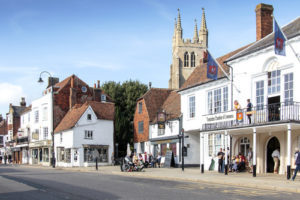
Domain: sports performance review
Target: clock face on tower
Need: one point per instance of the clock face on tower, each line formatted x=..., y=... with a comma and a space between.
x=83, y=89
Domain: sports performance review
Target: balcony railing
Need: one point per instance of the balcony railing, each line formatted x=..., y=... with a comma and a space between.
x=272, y=113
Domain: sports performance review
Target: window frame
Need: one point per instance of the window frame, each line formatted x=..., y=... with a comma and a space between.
x=88, y=134
x=141, y=127
x=192, y=107
x=186, y=59
x=193, y=59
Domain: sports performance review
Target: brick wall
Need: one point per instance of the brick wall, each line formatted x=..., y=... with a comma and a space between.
x=141, y=137
x=63, y=100
x=264, y=20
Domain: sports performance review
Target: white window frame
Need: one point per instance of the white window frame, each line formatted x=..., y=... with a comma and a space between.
x=88, y=134
x=274, y=79
x=260, y=94
x=45, y=133
x=288, y=88
x=191, y=107
x=223, y=105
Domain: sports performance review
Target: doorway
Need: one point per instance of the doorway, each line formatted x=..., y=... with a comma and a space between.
x=272, y=145
x=274, y=108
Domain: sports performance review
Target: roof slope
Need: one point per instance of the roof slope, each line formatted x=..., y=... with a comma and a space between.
x=18, y=110
x=67, y=81
x=104, y=111
x=291, y=30
x=171, y=106
x=154, y=99
x=198, y=76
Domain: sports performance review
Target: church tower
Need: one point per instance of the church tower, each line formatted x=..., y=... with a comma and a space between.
x=186, y=53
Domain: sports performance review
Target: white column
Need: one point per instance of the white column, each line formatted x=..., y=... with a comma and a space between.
x=254, y=152
x=289, y=146
x=226, y=152
x=202, y=152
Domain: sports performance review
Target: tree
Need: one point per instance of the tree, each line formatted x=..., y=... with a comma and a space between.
x=124, y=96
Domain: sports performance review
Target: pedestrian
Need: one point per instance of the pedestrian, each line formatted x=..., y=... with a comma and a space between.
x=158, y=160
x=112, y=158
x=5, y=159
x=220, y=160
x=276, y=158
x=146, y=159
x=297, y=163
x=249, y=110
x=0, y=159
x=9, y=158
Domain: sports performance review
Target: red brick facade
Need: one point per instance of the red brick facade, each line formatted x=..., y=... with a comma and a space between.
x=264, y=20
x=138, y=117
x=69, y=92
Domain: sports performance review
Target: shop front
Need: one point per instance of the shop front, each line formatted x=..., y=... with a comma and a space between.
x=40, y=152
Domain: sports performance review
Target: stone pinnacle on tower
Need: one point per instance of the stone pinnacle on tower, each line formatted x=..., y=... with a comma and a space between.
x=203, y=21
x=203, y=32
x=196, y=37
x=179, y=21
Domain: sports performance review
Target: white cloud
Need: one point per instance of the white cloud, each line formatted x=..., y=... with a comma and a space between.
x=10, y=94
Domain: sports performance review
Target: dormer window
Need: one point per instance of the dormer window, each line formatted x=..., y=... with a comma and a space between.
x=89, y=117
x=103, y=97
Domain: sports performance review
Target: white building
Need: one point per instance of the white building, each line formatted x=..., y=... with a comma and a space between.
x=41, y=126
x=167, y=138
x=86, y=132
x=269, y=81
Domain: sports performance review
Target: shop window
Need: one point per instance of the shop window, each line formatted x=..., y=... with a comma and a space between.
x=46, y=155
x=90, y=154
x=244, y=146
x=68, y=155
x=60, y=154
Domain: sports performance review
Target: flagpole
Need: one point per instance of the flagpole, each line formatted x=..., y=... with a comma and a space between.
x=287, y=41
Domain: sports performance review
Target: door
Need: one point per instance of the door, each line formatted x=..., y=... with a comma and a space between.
x=272, y=145
x=274, y=108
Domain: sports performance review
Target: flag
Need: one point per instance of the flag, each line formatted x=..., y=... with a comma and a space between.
x=212, y=67
x=279, y=40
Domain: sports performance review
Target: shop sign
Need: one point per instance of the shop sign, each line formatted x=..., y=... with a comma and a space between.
x=226, y=116
x=35, y=135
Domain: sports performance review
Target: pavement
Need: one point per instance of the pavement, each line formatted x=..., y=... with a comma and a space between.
x=262, y=181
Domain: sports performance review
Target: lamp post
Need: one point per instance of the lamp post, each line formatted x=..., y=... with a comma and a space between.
x=52, y=114
x=117, y=150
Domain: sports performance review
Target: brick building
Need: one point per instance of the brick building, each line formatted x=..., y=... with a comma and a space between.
x=13, y=125
x=3, y=133
x=66, y=94
x=147, y=107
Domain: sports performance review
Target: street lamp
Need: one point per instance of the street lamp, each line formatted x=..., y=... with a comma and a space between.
x=52, y=113
x=117, y=150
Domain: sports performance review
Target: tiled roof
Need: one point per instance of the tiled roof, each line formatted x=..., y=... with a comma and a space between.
x=105, y=111
x=199, y=75
x=26, y=110
x=171, y=106
x=67, y=81
x=154, y=99
x=18, y=110
x=291, y=30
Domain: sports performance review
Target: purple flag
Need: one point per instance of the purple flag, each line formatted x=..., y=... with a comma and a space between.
x=212, y=67
x=279, y=41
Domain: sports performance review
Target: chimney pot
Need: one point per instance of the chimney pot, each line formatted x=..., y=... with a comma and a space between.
x=94, y=85
x=23, y=102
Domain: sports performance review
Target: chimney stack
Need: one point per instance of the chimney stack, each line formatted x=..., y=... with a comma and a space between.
x=94, y=85
x=264, y=20
x=23, y=102
x=1, y=118
x=150, y=85
x=52, y=80
x=98, y=84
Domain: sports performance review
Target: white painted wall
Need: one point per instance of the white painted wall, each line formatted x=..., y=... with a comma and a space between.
x=75, y=138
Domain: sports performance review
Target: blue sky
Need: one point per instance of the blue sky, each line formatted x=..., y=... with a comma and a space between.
x=112, y=40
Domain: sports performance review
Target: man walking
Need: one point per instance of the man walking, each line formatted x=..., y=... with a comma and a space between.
x=297, y=163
